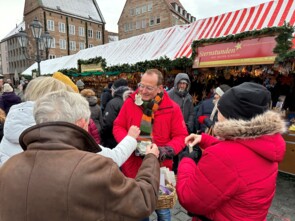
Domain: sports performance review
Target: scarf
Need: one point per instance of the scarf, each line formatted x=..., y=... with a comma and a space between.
x=149, y=108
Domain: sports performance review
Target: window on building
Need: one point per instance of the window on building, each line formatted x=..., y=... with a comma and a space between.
x=130, y=26
x=50, y=25
x=81, y=45
x=72, y=29
x=158, y=20
x=72, y=46
x=152, y=21
x=62, y=44
x=132, y=11
x=98, y=34
x=53, y=43
x=90, y=45
x=138, y=23
x=90, y=33
x=143, y=24
x=61, y=27
x=126, y=27
x=137, y=12
x=143, y=9
x=81, y=31
x=51, y=56
x=150, y=7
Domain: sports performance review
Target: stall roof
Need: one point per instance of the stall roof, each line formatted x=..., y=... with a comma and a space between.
x=176, y=41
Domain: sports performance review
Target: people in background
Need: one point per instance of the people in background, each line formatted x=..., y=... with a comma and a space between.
x=80, y=84
x=160, y=121
x=96, y=114
x=235, y=179
x=180, y=94
x=210, y=121
x=8, y=98
x=56, y=178
x=106, y=96
x=111, y=112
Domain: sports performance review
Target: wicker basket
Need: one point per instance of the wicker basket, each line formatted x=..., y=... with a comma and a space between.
x=167, y=201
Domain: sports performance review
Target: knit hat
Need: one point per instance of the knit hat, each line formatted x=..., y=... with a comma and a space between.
x=66, y=80
x=222, y=89
x=244, y=101
x=120, y=82
x=7, y=88
x=80, y=84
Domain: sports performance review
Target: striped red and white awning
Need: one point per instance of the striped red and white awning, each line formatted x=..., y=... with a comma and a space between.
x=270, y=14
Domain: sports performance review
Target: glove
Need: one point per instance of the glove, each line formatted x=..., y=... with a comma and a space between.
x=166, y=152
x=195, y=154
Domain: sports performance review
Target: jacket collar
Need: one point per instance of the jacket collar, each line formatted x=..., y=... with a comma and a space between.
x=57, y=135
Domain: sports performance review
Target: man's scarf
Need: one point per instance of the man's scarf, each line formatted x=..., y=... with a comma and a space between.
x=149, y=108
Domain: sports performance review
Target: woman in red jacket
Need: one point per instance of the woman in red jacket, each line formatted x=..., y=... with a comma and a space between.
x=235, y=179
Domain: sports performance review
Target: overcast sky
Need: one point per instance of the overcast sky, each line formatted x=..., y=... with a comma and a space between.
x=11, y=12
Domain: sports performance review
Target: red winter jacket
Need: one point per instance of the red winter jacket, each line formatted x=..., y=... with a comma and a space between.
x=93, y=131
x=235, y=178
x=169, y=129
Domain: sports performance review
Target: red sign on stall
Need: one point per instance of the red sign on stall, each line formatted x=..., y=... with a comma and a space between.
x=246, y=52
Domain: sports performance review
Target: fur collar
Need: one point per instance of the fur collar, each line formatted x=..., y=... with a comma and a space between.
x=267, y=123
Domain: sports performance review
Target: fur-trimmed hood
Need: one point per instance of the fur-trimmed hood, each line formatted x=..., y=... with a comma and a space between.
x=260, y=134
x=265, y=124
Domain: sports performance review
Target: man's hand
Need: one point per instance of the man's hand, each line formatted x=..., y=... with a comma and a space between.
x=192, y=139
x=153, y=149
x=134, y=131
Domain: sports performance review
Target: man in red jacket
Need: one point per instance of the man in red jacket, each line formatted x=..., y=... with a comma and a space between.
x=160, y=121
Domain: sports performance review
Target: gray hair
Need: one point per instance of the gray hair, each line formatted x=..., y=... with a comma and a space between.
x=61, y=106
x=40, y=86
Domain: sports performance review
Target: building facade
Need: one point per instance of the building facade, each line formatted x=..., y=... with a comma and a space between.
x=74, y=25
x=143, y=16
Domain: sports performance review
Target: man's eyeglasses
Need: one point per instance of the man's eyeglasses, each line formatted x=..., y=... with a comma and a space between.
x=148, y=88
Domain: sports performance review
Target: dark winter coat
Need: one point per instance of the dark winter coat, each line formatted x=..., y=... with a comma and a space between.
x=7, y=100
x=96, y=114
x=106, y=96
x=92, y=130
x=111, y=112
x=54, y=179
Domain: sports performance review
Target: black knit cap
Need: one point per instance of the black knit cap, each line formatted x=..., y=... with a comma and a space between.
x=244, y=101
x=120, y=82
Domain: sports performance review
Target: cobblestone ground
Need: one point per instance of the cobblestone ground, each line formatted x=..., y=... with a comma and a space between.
x=282, y=208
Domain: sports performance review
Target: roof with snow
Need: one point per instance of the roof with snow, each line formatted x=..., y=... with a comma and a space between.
x=15, y=30
x=176, y=41
x=86, y=8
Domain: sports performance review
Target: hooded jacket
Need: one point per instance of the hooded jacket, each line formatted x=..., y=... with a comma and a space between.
x=235, y=178
x=110, y=113
x=19, y=118
x=168, y=129
x=184, y=100
x=54, y=179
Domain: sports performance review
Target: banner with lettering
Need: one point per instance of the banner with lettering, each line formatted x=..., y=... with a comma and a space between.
x=246, y=52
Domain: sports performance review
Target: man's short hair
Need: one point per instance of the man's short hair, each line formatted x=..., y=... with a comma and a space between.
x=61, y=106
x=158, y=73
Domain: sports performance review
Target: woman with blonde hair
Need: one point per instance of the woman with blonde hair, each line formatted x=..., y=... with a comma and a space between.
x=20, y=116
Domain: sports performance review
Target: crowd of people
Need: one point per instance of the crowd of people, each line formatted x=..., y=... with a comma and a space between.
x=64, y=156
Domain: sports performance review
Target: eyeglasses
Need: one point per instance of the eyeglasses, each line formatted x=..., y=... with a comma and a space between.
x=148, y=88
